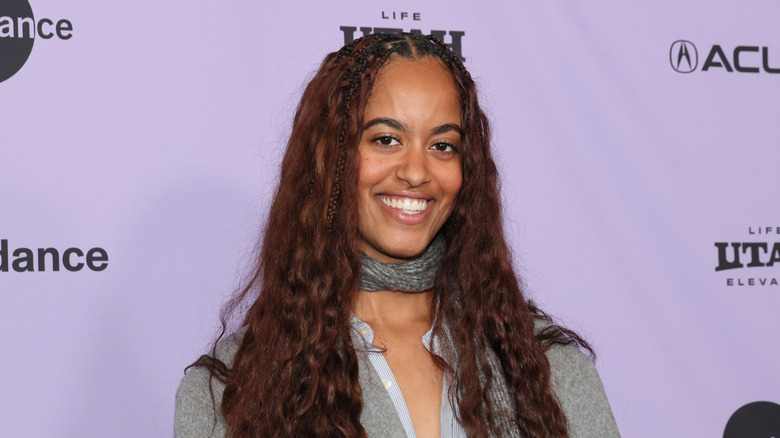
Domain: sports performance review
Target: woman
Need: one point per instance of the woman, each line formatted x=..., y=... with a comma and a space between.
x=387, y=301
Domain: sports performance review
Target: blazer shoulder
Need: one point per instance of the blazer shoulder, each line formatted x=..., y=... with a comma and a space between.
x=199, y=396
x=580, y=392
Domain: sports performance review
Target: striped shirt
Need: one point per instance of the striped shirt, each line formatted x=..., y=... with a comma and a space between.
x=450, y=427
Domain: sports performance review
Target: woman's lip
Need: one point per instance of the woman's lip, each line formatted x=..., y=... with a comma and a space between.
x=408, y=205
x=399, y=215
x=406, y=194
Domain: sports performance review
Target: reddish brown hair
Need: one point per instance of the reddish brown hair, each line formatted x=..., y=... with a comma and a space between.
x=296, y=371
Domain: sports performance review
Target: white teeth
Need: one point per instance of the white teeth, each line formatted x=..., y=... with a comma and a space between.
x=408, y=205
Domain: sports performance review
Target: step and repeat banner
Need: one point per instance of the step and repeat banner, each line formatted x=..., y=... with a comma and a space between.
x=638, y=144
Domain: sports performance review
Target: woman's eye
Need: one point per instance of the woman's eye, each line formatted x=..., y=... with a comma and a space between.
x=386, y=140
x=444, y=147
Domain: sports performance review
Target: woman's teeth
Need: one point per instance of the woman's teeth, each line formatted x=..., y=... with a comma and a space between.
x=408, y=205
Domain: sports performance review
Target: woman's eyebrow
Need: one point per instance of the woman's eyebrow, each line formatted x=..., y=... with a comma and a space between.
x=392, y=123
x=447, y=127
x=395, y=124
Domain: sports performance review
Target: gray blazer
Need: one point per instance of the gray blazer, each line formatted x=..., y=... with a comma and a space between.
x=573, y=377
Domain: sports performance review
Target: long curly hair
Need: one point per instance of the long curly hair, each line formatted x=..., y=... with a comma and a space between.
x=296, y=371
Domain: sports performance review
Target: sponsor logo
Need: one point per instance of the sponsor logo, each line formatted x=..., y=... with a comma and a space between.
x=51, y=259
x=18, y=31
x=684, y=58
x=454, y=41
x=758, y=252
x=757, y=419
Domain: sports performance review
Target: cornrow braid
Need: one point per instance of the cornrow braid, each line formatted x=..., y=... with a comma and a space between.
x=450, y=55
x=374, y=55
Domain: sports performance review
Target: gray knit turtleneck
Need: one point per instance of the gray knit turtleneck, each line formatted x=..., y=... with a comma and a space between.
x=416, y=275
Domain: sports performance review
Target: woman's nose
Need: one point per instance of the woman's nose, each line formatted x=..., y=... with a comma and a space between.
x=413, y=167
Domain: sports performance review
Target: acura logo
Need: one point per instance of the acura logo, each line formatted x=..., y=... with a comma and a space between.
x=683, y=56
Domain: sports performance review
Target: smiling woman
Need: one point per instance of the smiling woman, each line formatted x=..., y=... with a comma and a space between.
x=387, y=305
x=409, y=172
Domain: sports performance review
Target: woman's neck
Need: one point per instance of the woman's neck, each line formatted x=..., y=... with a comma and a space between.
x=396, y=314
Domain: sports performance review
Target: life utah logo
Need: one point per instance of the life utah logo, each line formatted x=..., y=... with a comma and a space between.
x=18, y=31
x=753, y=261
x=685, y=57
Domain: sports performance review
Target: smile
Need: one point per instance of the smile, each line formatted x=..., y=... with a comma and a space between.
x=407, y=205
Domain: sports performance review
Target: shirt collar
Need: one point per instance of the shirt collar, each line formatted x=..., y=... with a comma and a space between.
x=365, y=334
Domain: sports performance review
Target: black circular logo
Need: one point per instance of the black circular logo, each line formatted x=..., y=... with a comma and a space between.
x=683, y=56
x=17, y=35
x=758, y=419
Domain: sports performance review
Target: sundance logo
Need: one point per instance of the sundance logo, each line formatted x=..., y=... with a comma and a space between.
x=19, y=30
x=757, y=419
x=51, y=259
x=684, y=58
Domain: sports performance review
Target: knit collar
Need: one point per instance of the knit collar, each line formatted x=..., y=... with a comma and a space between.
x=416, y=275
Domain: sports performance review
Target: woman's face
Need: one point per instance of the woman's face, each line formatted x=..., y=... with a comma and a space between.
x=409, y=151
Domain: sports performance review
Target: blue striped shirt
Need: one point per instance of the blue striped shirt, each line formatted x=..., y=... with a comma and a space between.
x=450, y=427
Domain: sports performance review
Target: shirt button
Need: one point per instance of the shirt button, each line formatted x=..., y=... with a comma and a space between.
x=387, y=384
x=363, y=331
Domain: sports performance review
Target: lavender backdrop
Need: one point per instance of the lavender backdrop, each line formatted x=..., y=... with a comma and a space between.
x=155, y=133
